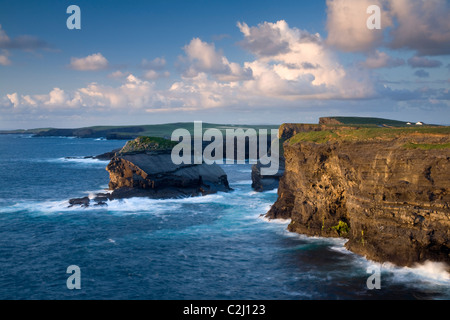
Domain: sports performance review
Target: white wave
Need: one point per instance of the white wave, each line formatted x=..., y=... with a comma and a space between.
x=276, y=221
x=272, y=191
x=122, y=206
x=82, y=160
x=341, y=249
x=436, y=272
x=93, y=194
x=242, y=182
x=44, y=207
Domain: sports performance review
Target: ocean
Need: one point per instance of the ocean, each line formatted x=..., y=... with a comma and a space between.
x=217, y=247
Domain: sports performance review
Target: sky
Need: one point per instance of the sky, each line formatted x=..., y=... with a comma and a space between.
x=231, y=62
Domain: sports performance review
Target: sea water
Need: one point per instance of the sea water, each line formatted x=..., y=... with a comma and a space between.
x=214, y=247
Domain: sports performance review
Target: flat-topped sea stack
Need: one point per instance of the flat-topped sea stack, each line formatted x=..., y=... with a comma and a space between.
x=144, y=168
x=387, y=190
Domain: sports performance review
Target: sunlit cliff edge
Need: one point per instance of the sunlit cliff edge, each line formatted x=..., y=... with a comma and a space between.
x=386, y=188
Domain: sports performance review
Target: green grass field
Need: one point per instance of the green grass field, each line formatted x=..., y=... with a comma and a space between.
x=364, y=134
x=131, y=132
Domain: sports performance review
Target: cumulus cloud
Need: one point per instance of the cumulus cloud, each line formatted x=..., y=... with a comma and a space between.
x=154, y=75
x=381, y=59
x=422, y=62
x=92, y=62
x=418, y=25
x=347, y=25
x=13, y=99
x=423, y=26
x=266, y=39
x=133, y=93
x=118, y=74
x=202, y=57
x=306, y=68
x=302, y=67
x=56, y=97
x=154, y=69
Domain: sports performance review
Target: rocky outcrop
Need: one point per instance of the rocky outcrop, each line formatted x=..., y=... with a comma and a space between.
x=389, y=197
x=261, y=182
x=155, y=175
x=329, y=120
x=288, y=130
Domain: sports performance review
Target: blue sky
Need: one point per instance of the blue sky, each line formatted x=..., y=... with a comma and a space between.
x=221, y=61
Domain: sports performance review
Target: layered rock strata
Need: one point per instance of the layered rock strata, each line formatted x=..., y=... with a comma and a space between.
x=390, y=197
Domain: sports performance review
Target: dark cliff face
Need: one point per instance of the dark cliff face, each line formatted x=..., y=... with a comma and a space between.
x=390, y=201
x=154, y=175
x=144, y=168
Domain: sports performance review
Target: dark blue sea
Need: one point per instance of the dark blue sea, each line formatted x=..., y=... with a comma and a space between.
x=213, y=247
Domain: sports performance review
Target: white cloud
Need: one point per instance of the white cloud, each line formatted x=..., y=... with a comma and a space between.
x=90, y=63
x=347, y=25
x=118, y=75
x=154, y=75
x=56, y=97
x=296, y=65
x=417, y=25
x=423, y=26
x=267, y=39
x=203, y=57
x=4, y=60
x=306, y=68
x=133, y=93
x=14, y=99
x=289, y=68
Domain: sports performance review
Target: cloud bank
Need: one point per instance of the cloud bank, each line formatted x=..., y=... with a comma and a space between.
x=422, y=26
x=288, y=68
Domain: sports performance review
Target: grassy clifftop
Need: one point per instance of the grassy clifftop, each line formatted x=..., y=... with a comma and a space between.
x=364, y=134
x=142, y=144
x=363, y=121
x=131, y=132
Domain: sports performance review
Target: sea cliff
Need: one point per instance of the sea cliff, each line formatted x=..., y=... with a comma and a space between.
x=386, y=190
